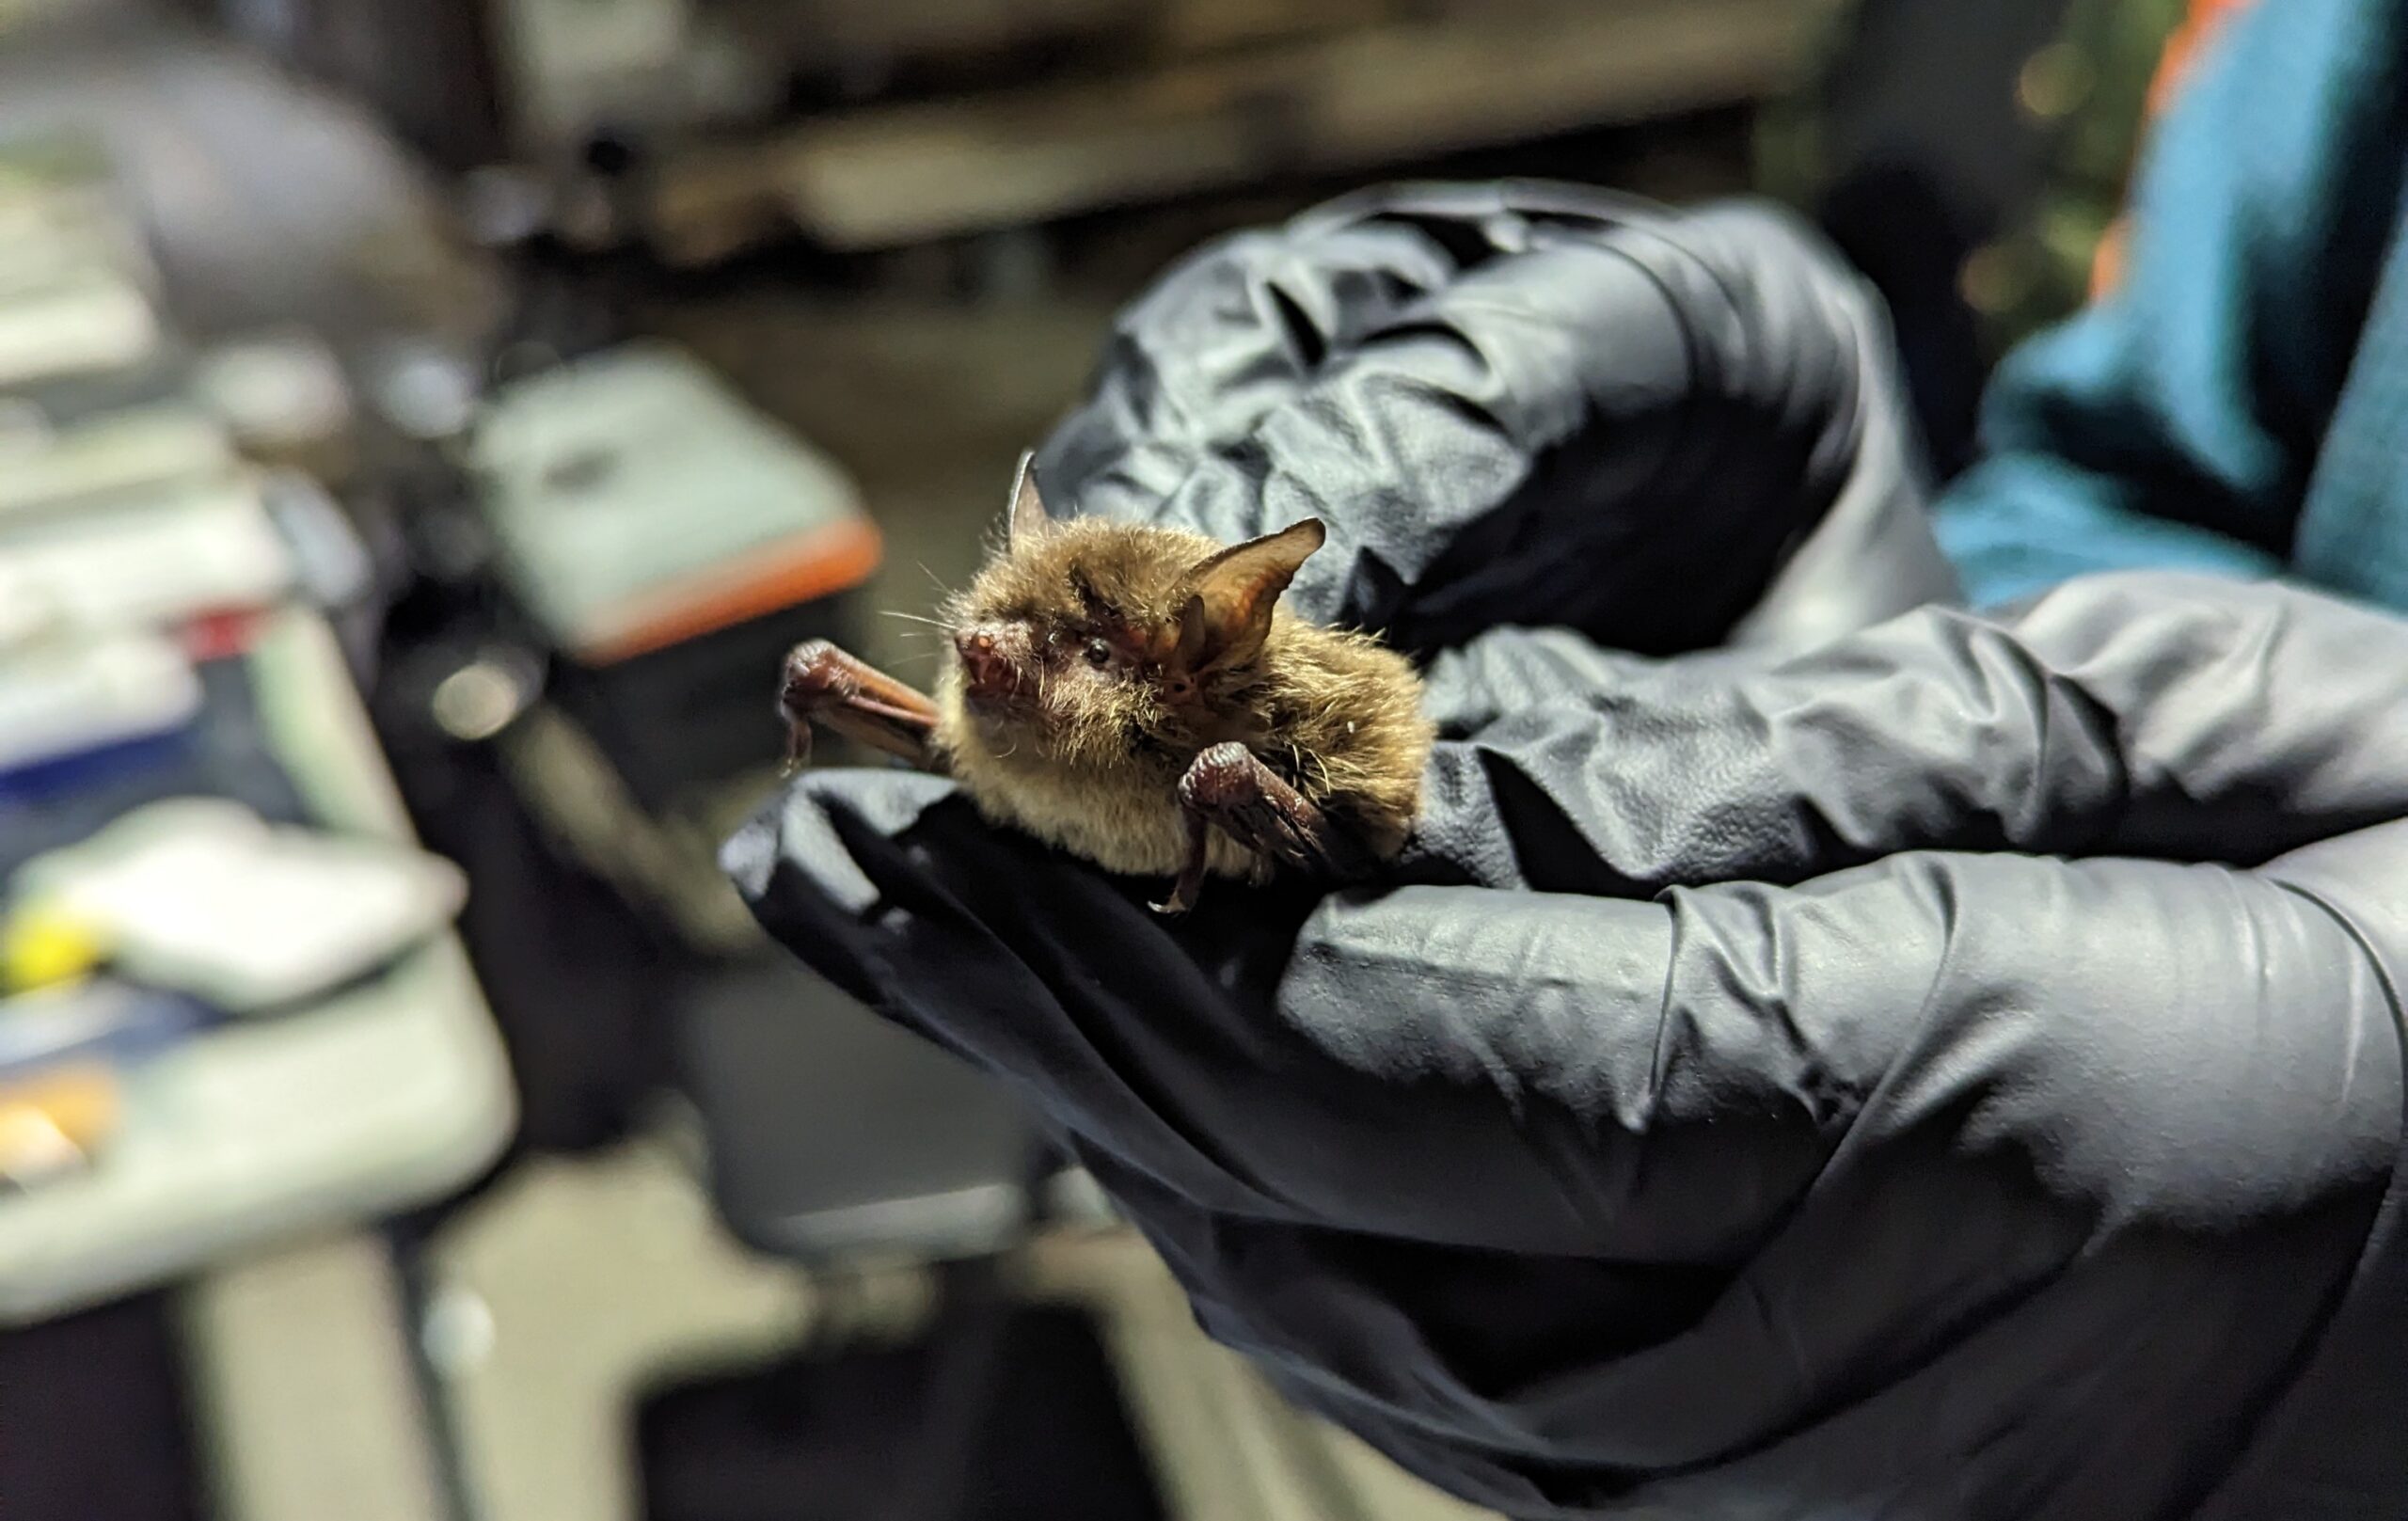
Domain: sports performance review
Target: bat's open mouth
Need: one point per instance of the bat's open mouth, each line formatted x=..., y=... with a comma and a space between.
x=993, y=674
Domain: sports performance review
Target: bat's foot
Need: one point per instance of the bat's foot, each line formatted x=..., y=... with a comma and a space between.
x=1254, y=806
x=1227, y=788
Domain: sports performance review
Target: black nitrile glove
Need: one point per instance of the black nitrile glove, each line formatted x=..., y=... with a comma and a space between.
x=1664, y=430
x=1715, y=1120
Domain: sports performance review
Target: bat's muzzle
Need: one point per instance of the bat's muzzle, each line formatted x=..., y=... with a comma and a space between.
x=993, y=660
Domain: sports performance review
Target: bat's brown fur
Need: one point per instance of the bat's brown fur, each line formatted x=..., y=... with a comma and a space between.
x=1094, y=766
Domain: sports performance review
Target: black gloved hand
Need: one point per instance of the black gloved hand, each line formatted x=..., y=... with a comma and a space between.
x=1975, y=1186
x=1663, y=429
x=1735, y=1143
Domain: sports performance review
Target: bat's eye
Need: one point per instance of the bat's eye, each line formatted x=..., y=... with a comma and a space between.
x=1099, y=653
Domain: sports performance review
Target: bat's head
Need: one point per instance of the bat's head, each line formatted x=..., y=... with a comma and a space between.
x=1086, y=641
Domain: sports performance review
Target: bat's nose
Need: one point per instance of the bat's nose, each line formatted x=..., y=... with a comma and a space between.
x=987, y=662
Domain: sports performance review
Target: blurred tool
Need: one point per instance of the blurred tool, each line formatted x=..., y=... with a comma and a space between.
x=69, y=707
x=667, y=544
x=42, y=947
x=284, y=398
x=76, y=286
x=125, y=450
x=198, y=547
x=382, y=1080
x=201, y=894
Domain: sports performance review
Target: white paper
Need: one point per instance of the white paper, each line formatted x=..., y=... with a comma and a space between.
x=199, y=894
x=154, y=559
x=61, y=696
x=91, y=322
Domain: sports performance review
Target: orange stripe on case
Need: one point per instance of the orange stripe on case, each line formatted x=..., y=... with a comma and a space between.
x=833, y=559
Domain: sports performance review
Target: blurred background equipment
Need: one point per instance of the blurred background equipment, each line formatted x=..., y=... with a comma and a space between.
x=1969, y=159
x=659, y=535
x=424, y=424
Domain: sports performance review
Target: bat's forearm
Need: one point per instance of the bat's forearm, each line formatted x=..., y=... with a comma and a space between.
x=845, y=695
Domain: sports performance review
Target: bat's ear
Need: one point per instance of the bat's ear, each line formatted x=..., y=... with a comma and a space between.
x=1029, y=519
x=1228, y=615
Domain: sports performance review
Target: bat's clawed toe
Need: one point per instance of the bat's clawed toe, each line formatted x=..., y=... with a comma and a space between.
x=816, y=677
x=1233, y=789
x=1226, y=776
x=1230, y=788
x=1190, y=882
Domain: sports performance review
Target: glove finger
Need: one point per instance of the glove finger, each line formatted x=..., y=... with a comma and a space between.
x=2161, y=716
x=2323, y=1429
x=1224, y=336
x=1237, y=327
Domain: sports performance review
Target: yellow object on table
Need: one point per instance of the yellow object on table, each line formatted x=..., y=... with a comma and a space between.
x=42, y=948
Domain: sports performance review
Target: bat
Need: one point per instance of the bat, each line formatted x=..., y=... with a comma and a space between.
x=1140, y=697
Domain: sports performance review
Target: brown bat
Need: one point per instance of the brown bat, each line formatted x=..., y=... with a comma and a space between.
x=1138, y=696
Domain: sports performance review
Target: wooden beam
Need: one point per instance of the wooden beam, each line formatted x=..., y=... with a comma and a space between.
x=1184, y=26
x=915, y=30
x=912, y=30
x=1355, y=101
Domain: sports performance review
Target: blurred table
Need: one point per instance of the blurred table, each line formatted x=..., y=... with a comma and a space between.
x=267, y=199
x=255, y=1158
x=257, y=1162
x=381, y=1099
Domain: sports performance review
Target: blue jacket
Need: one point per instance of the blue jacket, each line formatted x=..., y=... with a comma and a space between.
x=2241, y=404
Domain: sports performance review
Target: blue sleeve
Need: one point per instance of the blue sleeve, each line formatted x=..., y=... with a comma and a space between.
x=2176, y=423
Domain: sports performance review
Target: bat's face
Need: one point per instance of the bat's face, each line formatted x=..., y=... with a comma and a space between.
x=1088, y=640
x=1068, y=649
